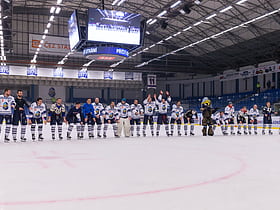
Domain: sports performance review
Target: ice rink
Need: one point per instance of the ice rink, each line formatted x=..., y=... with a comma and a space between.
x=152, y=173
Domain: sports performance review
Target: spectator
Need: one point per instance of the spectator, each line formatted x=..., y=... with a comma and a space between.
x=258, y=87
x=268, y=84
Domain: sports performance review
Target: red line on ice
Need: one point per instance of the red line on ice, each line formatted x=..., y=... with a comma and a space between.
x=241, y=168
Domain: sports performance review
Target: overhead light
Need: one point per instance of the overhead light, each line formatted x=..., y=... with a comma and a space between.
x=175, y=4
x=211, y=16
x=177, y=34
x=52, y=10
x=58, y=9
x=197, y=2
x=155, y=20
x=38, y=49
x=35, y=57
x=226, y=9
x=210, y=37
x=170, y=37
x=162, y=13
x=49, y=25
x=59, y=1
x=5, y=17
x=46, y=31
x=51, y=18
x=147, y=32
x=44, y=36
x=1, y=27
x=115, y=2
x=182, y=11
x=42, y=41
x=198, y=23
x=40, y=46
x=122, y=1
x=241, y=2
x=150, y=20
x=188, y=28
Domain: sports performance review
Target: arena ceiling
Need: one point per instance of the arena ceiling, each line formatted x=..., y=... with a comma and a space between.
x=201, y=37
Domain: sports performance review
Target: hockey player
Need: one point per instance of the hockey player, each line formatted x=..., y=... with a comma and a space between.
x=88, y=111
x=111, y=117
x=176, y=116
x=75, y=116
x=20, y=116
x=252, y=119
x=229, y=112
x=57, y=117
x=136, y=112
x=37, y=115
x=98, y=109
x=220, y=120
x=207, y=121
x=125, y=117
x=241, y=120
x=149, y=110
x=7, y=104
x=189, y=118
x=267, y=119
x=163, y=106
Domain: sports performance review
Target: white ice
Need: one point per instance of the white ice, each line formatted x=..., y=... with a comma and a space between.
x=152, y=173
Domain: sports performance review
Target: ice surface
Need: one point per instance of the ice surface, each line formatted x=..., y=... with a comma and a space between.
x=152, y=173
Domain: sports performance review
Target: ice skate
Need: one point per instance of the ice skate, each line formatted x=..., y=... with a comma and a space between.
x=23, y=139
x=40, y=137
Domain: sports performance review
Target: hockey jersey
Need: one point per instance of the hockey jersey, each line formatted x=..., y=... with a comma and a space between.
x=37, y=111
x=254, y=113
x=163, y=107
x=177, y=112
x=241, y=115
x=149, y=107
x=88, y=110
x=229, y=112
x=136, y=110
x=111, y=113
x=6, y=104
x=220, y=119
x=57, y=110
x=98, y=109
x=192, y=114
x=124, y=110
x=75, y=115
x=267, y=111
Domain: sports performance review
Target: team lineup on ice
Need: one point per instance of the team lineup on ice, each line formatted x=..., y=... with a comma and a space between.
x=155, y=112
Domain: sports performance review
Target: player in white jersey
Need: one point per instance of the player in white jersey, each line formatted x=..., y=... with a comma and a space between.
x=229, y=112
x=38, y=115
x=220, y=120
x=252, y=119
x=7, y=104
x=111, y=117
x=136, y=112
x=177, y=117
x=163, y=106
x=125, y=117
x=98, y=109
x=149, y=111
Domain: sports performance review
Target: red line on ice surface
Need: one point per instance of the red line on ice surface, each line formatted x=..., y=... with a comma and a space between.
x=241, y=168
x=68, y=163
